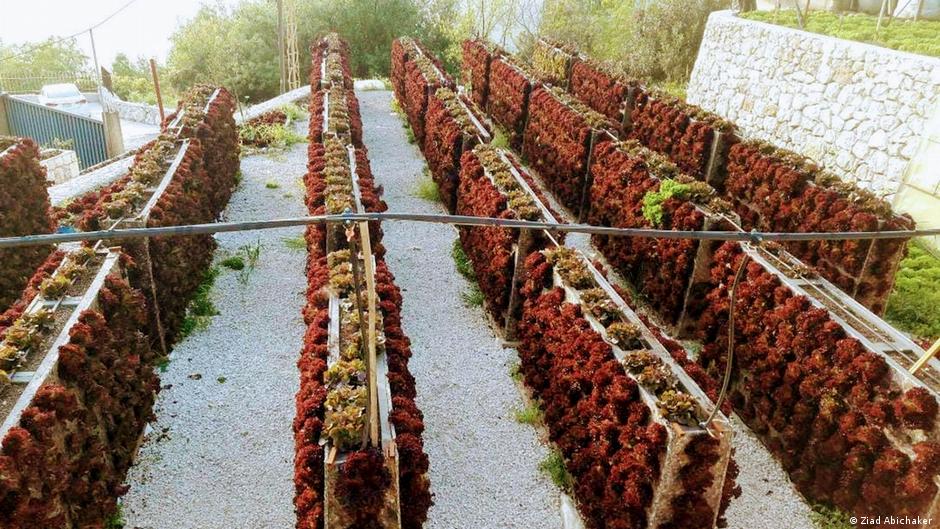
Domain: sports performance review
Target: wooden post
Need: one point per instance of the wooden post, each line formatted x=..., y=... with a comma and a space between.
x=156, y=87
x=4, y=119
x=106, y=80
x=524, y=246
x=113, y=138
x=588, y=179
x=881, y=15
x=370, y=288
x=922, y=361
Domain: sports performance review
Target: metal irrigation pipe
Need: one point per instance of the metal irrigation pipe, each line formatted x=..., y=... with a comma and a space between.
x=458, y=220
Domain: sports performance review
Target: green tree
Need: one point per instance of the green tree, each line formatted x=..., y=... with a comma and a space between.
x=237, y=47
x=658, y=42
x=26, y=67
x=222, y=46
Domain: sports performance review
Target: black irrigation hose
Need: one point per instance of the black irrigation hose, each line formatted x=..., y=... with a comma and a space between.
x=730, y=360
x=457, y=220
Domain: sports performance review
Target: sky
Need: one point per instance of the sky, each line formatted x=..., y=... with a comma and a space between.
x=143, y=29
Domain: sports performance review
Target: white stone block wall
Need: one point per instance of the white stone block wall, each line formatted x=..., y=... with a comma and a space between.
x=129, y=111
x=859, y=110
x=61, y=166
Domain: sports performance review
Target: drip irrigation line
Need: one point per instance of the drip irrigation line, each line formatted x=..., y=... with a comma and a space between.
x=730, y=359
x=456, y=220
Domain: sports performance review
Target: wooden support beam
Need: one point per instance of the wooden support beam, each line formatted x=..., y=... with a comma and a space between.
x=922, y=361
x=370, y=288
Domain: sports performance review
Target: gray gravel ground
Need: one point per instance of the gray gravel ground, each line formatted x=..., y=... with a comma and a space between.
x=220, y=455
x=484, y=465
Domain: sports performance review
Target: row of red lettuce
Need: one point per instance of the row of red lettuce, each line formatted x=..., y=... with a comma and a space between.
x=64, y=464
x=786, y=386
x=745, y=172
x=25, y=206
x=364, y=477
x=615, y=471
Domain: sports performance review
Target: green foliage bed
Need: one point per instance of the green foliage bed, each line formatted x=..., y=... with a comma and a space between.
x=914, y=306
x=922, y=37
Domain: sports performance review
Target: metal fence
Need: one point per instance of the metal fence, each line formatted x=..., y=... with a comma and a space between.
x=32, y=84
x=50, y=126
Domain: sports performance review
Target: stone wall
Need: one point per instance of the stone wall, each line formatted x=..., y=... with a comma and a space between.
x=139, y=112
x=61, y=165
x=857, y=109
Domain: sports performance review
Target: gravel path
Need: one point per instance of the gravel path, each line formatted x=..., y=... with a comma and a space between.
x=484, y=465
x=220, y=455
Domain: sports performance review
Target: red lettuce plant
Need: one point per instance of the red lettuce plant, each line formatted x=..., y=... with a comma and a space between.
x=364, y=478
x=64, y=464
x=825, y=405
x=776, y=190
x=450, y=126
x=24, y=204
x=602, y=88
x=595, y=413
x=48, y=267
x=402, y=50
x=625, y=176
x=330, y=56
x=592, y=409
x=507, y=100
x=423, y=76
x=677, y=129
x=209, y=116
x=475, y=68
x=487, y=189
x=557, y=142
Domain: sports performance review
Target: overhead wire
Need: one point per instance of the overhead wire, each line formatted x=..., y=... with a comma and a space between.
x=70, y=37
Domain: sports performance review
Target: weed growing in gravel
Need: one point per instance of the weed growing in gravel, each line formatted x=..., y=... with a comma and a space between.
x=276, y=137
x=531, y=414
x=824, y=517
x=515, y=371
x=271, y=184
x=427, y=190
x=554, y=466
x=464, y=266
x=252, y=253
x=163, y=365
x=221, y=380
x=234, y=262
x=201, y=309
x=116, y=520
x=295, y=243
x=473, y=297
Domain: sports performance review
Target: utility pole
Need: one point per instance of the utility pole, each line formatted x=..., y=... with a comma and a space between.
x=280, y=44
x=94, y=54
